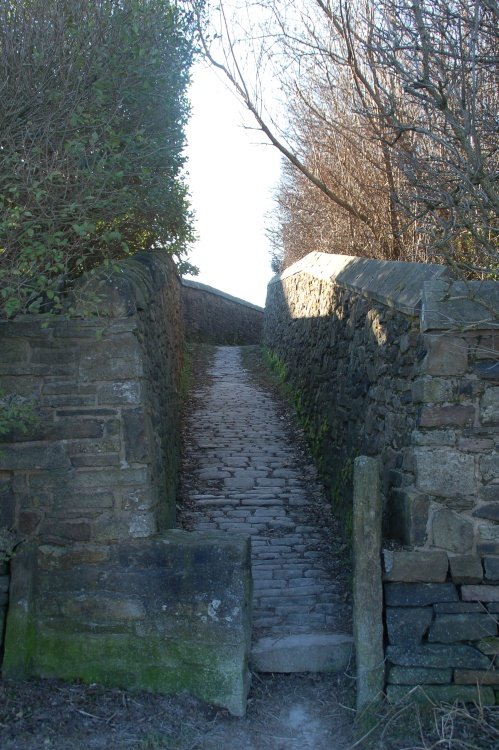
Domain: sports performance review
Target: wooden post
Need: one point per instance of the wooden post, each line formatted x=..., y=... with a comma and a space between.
x=367, y=583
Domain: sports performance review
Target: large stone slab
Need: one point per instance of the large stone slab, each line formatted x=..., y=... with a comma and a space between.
x=307, y=652
x=166, y=614
x=419, y=566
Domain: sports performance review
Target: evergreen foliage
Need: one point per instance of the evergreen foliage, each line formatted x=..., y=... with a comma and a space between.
x=92, y=113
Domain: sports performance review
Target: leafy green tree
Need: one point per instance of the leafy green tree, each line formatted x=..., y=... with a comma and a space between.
x=92, y=113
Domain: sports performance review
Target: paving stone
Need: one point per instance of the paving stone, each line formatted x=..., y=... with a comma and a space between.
x=236, y=440
x=302, y=653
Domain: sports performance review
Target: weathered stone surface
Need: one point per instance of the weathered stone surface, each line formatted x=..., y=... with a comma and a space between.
x=489, y=493
x=457, y=608
x=407, y=625
x=474, y=676
x=489, y=406
x=451, y=531
x=437, y=656
x=466, y=569
x=441, y=416
x=431, y=390
x=489, y=466
x=441, y=693
x=449, y=628
x=426, y=565
x=480, y=593
x=444, y=472
x=446, y=355
x=310, y=652
x=408, y=516
x=491, y=565
x=33, y=456
x=489, y=646
x=182, y=622
x=489, y=510
x=419, y=594
x=419, y=676
x=456, y=305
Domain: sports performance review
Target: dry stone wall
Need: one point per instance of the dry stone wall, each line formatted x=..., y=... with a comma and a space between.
x=396, y=360
x=213, y=317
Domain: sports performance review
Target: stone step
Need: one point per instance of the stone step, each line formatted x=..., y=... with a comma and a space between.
x=306, y=652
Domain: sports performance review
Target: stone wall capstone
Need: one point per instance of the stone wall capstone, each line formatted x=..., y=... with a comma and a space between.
x=396, y=360
x=214, y=317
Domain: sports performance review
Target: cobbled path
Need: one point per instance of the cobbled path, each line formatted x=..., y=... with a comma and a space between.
x=243, y=473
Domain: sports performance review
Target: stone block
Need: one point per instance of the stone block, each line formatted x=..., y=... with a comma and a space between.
x=466, y=569
x=489, y=467
x=138, y=438
x=491, y=565
x=121, y=392
x=480, y=593
x=437, y=656
x=448, y=628
x=445, y=355
x=407, y=625
x=408, y=516
x=483, y=696
x=455, y=415
x=489, y=406
x=437, y=438
x=489, y=510
x=431, y=390
x=426, y=566
x=489, y=646
x=489, y=493
x=419, y=676
x=452, y=532
x=29, y=456
x=476, y=676
x=457, y=608
x=444, y=472
x=419, y=594
x=475, y=444
x=488, y=370
x=168, y=614
x=308, y=652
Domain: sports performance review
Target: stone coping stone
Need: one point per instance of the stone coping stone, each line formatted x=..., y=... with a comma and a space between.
x=398, y=284
x=415, y=566
x=307, y=652
x=218, y=293
x=459, y=305
x=484, y=696
x=128, y=285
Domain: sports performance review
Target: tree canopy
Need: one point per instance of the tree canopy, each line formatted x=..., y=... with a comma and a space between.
x=386, y=116
x=92, y=113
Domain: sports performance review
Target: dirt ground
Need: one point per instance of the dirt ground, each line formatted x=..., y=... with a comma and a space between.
x=285, y=712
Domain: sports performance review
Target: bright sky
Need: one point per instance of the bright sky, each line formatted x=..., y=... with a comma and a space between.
x=232, y=175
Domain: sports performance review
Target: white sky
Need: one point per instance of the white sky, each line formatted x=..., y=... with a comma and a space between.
x=232, y=175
